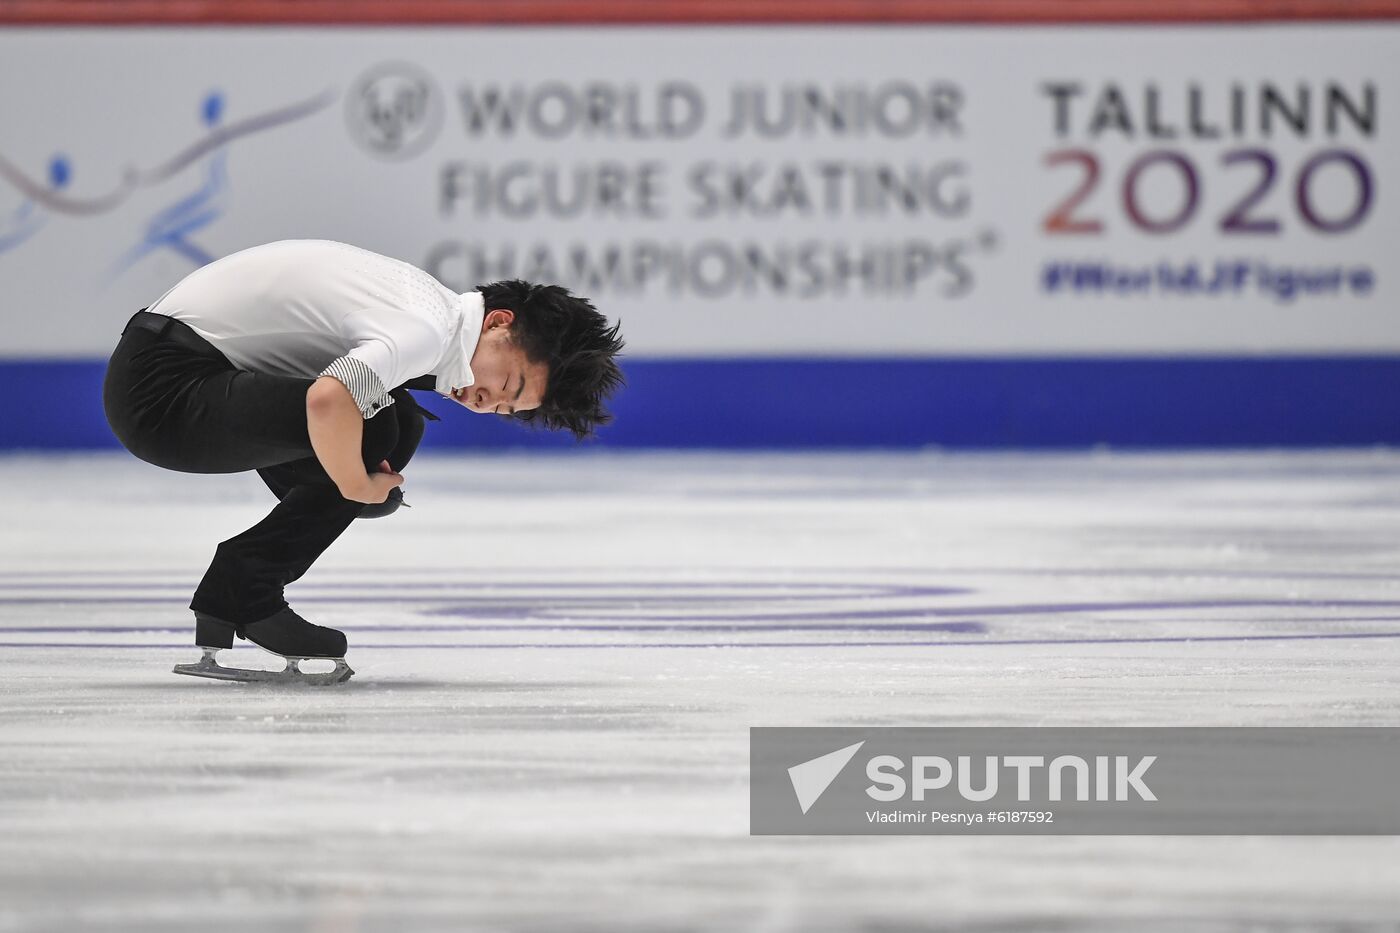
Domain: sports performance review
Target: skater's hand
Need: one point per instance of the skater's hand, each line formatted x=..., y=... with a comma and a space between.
x=377, y=485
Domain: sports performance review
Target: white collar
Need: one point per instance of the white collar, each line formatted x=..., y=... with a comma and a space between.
x=455, y=370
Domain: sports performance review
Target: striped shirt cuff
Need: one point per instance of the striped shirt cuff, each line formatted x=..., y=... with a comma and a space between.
x=369, y=393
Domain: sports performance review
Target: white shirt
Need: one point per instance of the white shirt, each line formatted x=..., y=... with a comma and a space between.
x=317, y=307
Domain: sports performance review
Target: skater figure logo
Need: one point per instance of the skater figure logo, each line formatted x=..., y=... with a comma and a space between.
x=394, y=111
x=29, y=218
x=171, y=229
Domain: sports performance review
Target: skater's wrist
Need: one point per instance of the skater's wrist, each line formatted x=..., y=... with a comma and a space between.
x=374, y=490
x=357, y=492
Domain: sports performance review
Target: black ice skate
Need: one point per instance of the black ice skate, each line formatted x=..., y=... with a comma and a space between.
x=284, y=634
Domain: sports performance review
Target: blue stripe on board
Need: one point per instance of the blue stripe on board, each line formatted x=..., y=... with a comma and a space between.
x=807, y=403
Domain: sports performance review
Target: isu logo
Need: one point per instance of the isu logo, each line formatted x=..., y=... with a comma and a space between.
x=394, y=111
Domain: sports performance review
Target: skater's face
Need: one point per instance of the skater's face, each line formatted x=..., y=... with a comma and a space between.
x=506, y=382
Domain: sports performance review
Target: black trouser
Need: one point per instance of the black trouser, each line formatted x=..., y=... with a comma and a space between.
x=175, y=401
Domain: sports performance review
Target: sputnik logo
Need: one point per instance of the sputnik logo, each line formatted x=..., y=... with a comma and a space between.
x=810, y=779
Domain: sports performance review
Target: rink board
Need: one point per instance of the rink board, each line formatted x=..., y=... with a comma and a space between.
x=1033, y=236
x=877, y=403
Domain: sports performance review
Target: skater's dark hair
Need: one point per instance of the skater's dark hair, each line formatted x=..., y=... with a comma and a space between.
x=568, y=334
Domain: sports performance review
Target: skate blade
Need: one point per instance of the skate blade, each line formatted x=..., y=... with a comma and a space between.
x=206, y=666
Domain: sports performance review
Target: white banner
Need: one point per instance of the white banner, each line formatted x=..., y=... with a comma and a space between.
x=802, y=191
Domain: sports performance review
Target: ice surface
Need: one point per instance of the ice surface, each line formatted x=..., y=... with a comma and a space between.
x=558, y=659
